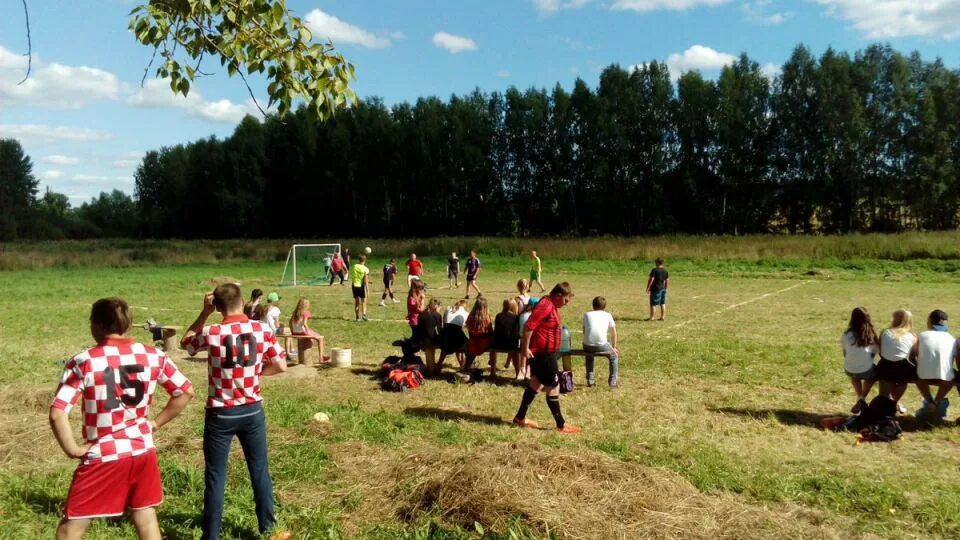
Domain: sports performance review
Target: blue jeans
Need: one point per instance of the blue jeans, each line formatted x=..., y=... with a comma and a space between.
x=219, y=427
x=614, y=363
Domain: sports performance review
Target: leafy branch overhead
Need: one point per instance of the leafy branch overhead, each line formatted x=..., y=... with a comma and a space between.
x=247, y=36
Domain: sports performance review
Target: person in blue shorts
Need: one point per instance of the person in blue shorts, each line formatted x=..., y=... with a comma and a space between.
x=657, y=289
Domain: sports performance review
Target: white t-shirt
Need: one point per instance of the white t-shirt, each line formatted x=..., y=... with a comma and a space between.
x=273, y=318
x=596, y=324
x=857, y=359
x=457, y=317
x=896, y=349
x=935, y=358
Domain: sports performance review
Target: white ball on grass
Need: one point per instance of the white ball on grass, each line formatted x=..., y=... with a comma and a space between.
x=321, y=417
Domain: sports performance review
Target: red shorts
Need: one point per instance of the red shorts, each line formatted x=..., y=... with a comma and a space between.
x=107, y=489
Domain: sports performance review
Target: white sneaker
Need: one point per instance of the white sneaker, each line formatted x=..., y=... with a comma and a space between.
x=382, y=304
x=395, y=301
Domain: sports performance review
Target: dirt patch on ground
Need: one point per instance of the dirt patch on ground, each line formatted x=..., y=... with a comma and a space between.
x=570, y=493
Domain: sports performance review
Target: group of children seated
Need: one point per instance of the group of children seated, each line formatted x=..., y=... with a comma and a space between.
x=269, y=313
x=925, y=359
x=467, y=335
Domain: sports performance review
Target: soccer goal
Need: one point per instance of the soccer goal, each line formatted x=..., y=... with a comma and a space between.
x=308, y=264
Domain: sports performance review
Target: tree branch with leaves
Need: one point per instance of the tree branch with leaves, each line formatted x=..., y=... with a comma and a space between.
x=248, y=36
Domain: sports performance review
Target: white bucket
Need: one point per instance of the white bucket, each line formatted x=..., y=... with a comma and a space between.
x=340, y=357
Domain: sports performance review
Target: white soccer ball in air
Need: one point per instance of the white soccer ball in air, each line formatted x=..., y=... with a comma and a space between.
x=367, y=250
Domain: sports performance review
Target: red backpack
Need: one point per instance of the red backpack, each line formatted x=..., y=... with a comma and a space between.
x=399, y=380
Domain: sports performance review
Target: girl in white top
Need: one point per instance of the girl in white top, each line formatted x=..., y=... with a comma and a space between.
x=522, y=297
x=898, y=345
x=935, y=354
x=859, y=344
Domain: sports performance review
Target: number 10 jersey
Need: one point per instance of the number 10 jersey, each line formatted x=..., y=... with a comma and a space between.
x=238, y=349
x=117, y=380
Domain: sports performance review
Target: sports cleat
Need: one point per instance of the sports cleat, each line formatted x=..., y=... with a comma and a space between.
x=524, y=423
x=570, y=429
x=860, y=406
x=381, y=304
x=395, y=301
x=364, y=318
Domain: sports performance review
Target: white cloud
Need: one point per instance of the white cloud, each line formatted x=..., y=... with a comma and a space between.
x=127, y=160
x=156, y=93
x=758, y=12
x=52, y=174
x=771, y=70
x=698, y=57
x=552, y=6
x=503, y=74
x=44, y=134
x=655, y=5
x=880, y=19
x=91, y=179
x=339, y=32
x=52, y=85
x=452, y=43
x=60, y=160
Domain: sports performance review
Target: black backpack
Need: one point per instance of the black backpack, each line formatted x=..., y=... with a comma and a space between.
x=886, y=430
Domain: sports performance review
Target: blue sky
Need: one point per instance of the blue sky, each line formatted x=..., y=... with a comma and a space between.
x=85, y=119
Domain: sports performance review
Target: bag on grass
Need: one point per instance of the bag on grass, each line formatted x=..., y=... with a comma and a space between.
x=886, y=430
x=566, y=382
x=401, y=380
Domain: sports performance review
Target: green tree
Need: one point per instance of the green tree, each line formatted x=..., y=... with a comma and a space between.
x=18, y=188
x=246, y=36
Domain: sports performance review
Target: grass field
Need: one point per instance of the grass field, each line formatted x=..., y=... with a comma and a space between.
x=712, y=433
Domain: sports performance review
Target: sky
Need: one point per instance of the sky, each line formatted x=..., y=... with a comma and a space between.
x=86, y=120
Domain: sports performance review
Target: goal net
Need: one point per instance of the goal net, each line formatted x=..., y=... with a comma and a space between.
x=308, y=264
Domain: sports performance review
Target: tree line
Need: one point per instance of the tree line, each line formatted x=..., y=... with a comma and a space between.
x=834, y=144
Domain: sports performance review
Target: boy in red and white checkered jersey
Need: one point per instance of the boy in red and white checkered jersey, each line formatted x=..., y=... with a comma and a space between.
x=118, y=464
x=240, y=351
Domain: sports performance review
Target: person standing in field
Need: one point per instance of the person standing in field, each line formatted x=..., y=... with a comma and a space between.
x=860, y=345
x=338, y=268
x=415, y=305
x=540, y=344
x=359, y=283
x=116, y=380
x=473, y=270
x=596, y=325
x=389, y=275
x=657, y=289
x=536, y=269
x=346, y=260
x=240, y=351
x=414, y=269
x=453, y=270
x=935, y=357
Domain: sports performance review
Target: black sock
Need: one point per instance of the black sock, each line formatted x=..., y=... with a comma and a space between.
x=554, y=403
x=528, y=396
x=391, y=296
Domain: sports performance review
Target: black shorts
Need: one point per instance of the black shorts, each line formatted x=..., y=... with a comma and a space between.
x=388, y=284
x=359, y=292
x=543, y=366
x=471, y=277
x=901, y=371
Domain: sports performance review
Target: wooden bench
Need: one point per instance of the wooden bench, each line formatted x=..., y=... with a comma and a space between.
x=168, y=336
x=430, y=355
x=307, y=354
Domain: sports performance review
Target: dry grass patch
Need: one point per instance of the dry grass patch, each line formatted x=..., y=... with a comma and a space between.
x=571, y=493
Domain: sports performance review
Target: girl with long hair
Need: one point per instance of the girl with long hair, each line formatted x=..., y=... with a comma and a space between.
x=860, y=345
x=898, y=344
x=480, y=329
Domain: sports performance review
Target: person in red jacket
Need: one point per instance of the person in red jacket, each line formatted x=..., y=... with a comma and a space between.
x=540, y=344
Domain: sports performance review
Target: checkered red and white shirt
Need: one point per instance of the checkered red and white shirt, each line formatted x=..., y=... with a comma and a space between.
x=238, y=349
x=117, y=380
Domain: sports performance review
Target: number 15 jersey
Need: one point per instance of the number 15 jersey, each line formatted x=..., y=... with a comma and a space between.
x=238, y=349
x=117, y=380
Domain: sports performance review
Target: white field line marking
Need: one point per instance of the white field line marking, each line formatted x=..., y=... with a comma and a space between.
x=728, y=308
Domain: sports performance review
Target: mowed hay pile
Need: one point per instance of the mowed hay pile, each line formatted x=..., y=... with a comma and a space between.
x=571, y=493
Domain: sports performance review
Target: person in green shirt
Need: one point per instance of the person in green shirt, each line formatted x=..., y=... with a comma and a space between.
x=359, y=283
x=535, y=270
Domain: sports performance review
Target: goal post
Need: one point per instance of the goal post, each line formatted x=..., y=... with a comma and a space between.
x=308, y=264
